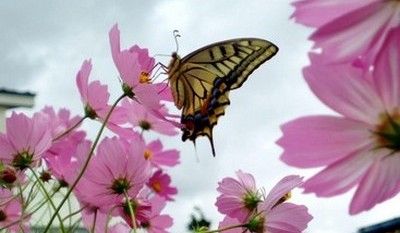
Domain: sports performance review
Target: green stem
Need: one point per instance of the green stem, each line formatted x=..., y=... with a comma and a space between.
x=131, y=212
x=41, y=185
x=97, y=139
x=25, y=215
x=70, y=129
x=225, y=228
x=94, y=223
x=72, y=214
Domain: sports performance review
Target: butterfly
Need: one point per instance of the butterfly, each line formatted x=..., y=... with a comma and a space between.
x=201, y=81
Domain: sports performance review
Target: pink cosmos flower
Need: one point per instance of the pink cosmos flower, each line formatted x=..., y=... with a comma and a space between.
x=274, y=214
x=116, y=169
x=160, y=184
x=10, y=212
x=359, y=148
x=157, y=223
x=25, y=140
x=67, y=163
x=8, y=175
x=281, y=216
x=349, y=31
x=239, y=198
x=141, y=209
x=134, y=66
x=60, y=121
x=138, y=115
x=158, y=157
x=94, y=95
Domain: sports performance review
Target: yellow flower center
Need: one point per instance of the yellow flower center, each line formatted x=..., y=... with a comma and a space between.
x=144, y=77
x=148, y=154
x=156, y=186
x=388, y=131
x=286, y=197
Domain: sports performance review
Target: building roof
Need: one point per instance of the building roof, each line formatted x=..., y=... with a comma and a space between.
x=13, y=99
x=390, y=226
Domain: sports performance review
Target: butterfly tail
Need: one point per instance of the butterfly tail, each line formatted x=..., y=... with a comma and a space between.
x=212, y=145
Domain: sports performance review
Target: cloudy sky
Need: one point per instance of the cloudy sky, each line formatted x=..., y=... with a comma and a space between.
x=43, y=44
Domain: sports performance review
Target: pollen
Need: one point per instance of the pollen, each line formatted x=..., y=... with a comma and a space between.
x=285, y=197
x=156, y=186
x=148, y=154
x=144, y=77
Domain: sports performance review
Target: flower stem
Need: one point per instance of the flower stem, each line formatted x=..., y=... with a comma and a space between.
x=226, y=228
x=48, y=198
x=131, y=212
x=70, y=129
x=97, y=139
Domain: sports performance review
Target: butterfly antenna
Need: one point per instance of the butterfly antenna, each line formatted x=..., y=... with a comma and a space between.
x=176, y=35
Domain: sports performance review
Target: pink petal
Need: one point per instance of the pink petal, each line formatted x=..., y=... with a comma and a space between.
x=316, y=13
x=356, y=33
x=120, y=228
x=155, y=146
x=227, y=222
x=387, y=70
x=381, y=182
x=160, y=223
x=247, y=181
x=19, y=130
x=164, y=91
x=167, y=158
x=112, y=153
x=320, y=140
x=27, y=134
x=244, y=184
x=157, y=205
x=126, y=62
x=41, y=138
x=340, y=176
x=146, y=61
x=344, y=89
x=82, y=79
x=284, y=186
x=97, y=96
x=7, y=151
x=148, y=95
x=287, y=217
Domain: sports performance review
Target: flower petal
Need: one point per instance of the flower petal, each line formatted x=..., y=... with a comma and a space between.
x=82, y=79
x=359, y=32
x=387, y=70
x=381, y=182
x=277, y=220
x=127, y=63
x=340, y=176
x=320, y=140
x=284, y=186
x=344, y=89
x=316, y=13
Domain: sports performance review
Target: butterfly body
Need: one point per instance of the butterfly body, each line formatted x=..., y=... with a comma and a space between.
x=201, y=81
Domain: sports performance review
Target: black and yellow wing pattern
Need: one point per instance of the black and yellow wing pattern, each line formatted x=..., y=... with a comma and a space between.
x=201, y=81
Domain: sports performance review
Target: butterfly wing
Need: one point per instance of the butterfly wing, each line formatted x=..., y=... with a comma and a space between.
x=201, y=81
